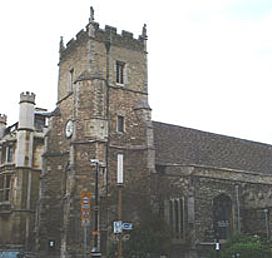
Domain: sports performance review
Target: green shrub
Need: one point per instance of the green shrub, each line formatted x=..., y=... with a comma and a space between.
x=246, y=247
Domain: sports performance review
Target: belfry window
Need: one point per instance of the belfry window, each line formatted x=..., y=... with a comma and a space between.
x=5, y=184
x=174, y=212
x=120, y=72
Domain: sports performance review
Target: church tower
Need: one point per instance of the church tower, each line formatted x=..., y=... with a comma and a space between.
x=100, y=141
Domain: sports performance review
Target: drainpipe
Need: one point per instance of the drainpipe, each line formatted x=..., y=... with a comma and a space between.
x=238, y=209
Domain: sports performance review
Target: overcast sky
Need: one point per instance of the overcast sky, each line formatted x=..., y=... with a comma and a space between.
x=210, y=61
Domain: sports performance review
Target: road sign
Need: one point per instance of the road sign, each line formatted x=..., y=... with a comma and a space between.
x=127, y=226
x=85, y=208
x=117, y=227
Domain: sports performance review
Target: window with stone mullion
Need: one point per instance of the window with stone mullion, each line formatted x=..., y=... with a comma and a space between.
x=174, y=209
x=9, y=153
x=5, y=183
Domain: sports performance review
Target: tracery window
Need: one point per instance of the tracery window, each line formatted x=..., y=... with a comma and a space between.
x=222, y=216
x=174, y=213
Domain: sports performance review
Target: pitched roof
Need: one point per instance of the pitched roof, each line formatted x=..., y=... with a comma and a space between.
x=180, y=145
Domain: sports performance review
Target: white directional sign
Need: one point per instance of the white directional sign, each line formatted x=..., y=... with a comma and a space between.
x=117, y=227
x=120, y=168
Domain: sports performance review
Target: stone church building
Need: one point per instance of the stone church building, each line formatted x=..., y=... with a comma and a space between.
x=102, y=141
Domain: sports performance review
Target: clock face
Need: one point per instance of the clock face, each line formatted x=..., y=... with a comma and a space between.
x=69, y=128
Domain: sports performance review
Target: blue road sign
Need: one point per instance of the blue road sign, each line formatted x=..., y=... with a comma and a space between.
x=127, y=226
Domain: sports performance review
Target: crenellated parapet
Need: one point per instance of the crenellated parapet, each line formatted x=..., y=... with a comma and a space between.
x=27, y=97
x=26, y=111
x=3, y=119
x=107, y=35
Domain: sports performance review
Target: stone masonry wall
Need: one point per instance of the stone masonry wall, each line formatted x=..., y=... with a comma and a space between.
x=93, y=104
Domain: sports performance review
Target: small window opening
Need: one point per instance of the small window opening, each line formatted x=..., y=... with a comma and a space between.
x=120, y=124
x=120, y=68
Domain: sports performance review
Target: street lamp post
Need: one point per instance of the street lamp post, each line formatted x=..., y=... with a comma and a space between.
x=96, y=248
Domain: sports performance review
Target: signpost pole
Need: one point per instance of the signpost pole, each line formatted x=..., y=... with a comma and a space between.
x=85, y=209
x=85, y=241
x=217, y=247
x=120, y=247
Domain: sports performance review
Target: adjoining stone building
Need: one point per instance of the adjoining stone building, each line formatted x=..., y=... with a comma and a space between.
x=204, y=185
x=211, y=186
x=21, y=149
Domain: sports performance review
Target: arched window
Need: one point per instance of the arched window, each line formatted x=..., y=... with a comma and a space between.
x=174, y=210
x=222, y=216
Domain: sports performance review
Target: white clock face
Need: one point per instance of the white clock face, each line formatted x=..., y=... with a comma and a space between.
x=69, y=128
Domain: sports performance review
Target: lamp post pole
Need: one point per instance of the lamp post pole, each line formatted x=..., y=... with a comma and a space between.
x=96, y=247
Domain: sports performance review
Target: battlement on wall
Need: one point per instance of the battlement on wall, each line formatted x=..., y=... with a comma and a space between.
x=3, y=119
x=27, y=97
x=107, y=35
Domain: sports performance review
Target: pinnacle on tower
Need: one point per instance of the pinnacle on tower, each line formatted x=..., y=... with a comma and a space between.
x=91, y=19
x=61, y=45
x=144, y=33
